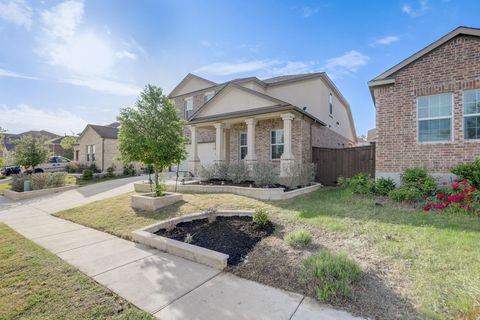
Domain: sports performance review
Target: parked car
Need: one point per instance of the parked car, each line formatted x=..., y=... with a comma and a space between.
x=8, y=171
x=54, y=164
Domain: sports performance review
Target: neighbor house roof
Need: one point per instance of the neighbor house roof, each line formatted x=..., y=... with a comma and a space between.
x=106, y=132
x=385, y=77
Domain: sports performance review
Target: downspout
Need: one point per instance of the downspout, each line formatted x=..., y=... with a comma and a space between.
x=103, y=154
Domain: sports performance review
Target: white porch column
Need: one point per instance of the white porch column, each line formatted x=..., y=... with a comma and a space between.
x=220, y=141
x=193, y=161
x=287, y=157
x=251, y=156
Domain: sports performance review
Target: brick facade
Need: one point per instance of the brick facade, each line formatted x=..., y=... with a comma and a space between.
x=453, y=67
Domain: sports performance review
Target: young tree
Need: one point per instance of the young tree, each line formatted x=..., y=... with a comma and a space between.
x=67, y=144
x=152, y=133
x=31, y=151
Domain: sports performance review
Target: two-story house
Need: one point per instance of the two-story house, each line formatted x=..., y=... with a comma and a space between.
x=278, y=119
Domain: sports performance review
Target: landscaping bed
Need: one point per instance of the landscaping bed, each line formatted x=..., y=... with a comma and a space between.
x=234, y=235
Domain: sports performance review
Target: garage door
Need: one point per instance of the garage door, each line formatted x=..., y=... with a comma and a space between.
x=206, y=153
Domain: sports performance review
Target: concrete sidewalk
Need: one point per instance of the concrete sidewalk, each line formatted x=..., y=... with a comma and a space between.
x=167, y=286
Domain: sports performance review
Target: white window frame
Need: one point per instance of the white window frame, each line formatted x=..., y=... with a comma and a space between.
x=464, y=115
x=276, y=144
x=330, y=103
x=208, y=94
x=240, y=146
x=185, y=103
x=451, y=117
x=90, y=154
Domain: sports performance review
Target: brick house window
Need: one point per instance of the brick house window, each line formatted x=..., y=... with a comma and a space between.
x=330, y=102
x=188, y=103
x=435, y=118
x=276, y=144
x=90, y=152
x=243, y=145
x=208, y=96
x=471, y=114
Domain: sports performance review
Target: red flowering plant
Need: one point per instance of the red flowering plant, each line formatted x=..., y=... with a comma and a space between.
x=460, y=196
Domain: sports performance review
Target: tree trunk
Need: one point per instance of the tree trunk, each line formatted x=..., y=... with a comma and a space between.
x=157, y=182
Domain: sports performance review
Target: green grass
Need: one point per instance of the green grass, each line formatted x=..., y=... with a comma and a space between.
x=4, y=187
x=80, y=182
x=298, y=238
x=333, y=274
x=35, y=284
x=440, y=254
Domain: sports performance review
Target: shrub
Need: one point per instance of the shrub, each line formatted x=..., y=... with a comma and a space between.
x=333, y=274
x=57, y=179
x=39, y=180
x=416, y=183
x=260, y=216
x=94, y=168
x=87, y=174
x=459, y=197
x=468, y=171
x=263, y=174
x=362, y=183
x=298, y=238
x=129, y=170
x=111, y=171
x=75, y=167
x=205, y=173
x=383, y=186
x=160, y=189
x=238, y=172
x=299, y=175
x=18, y=181
x=220, y=171
x=343, y=182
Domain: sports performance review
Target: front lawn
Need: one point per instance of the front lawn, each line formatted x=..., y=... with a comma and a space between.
x=436, y=257
x=82, y=182
x=4, y=187
x=36, y=284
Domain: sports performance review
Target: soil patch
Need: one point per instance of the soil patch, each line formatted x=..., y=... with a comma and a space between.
x=234, y=236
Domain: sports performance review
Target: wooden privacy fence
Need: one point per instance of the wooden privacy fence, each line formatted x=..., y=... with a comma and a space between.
x=334, y=163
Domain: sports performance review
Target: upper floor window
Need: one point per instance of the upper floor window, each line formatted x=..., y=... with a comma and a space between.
x=243, y=145
x=276, y=143
x=208, y=96
x=90, y=154
x=471, y=114
x=330, y=102
x=188, y=102
x=435, y=118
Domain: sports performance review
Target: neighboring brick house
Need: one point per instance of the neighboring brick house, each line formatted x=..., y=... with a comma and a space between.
x=278, y=119
x=428, y=107
x=99, y=145
x=7, y=145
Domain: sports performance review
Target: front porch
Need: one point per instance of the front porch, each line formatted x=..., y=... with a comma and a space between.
x=273, y=137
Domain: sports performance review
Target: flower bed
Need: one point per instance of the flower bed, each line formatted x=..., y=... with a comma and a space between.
x=459, y=197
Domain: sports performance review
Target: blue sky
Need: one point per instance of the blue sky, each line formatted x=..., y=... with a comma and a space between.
x=67, y=63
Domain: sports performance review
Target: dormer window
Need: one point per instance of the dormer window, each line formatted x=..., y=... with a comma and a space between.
x=330, y=102
x=208, y=96
x=188, y=103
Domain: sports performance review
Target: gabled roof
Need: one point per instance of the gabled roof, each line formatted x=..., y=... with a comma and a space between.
x=385, y=77
x=103, y=131
x=237, y=86
x=187, y=78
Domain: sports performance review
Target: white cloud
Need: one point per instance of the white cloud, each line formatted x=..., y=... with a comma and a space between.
x=415, y=12
x=346, y=64
x=227, y=68
x=24, y=117
x=292, y=67
x=62, y=20
x=17, y=12
x=385, y=41
x=126, y=55
x=107, y=86
x=12, y=74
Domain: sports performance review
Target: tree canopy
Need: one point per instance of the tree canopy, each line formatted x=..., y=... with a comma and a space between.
x=31, y=151
x=67, y=144
x=152, y=133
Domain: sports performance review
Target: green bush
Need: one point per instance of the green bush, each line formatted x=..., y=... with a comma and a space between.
x=39, y=180
x=343, y=182
x=298, y=238
x=238, y=172
x=263, y=174
x=128, y=170
x=57, y=179
x=333, y=274
x=111, y=171
x=383, y=186
x=94, y=168
x=416, y=183
x=75, y=167
x=299, y=174
x=205, y=173
x=87, y=174
x=18, y=181
x=260, y=216
x=468, y=171
x=362, y=183
x=220, y=171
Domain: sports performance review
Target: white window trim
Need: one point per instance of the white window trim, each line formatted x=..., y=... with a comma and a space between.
x=452, y=133
x=330, y=104
x=276, y=144
x=186, y=105
x=210, y=93
x=468, y=115
x=240, y=145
